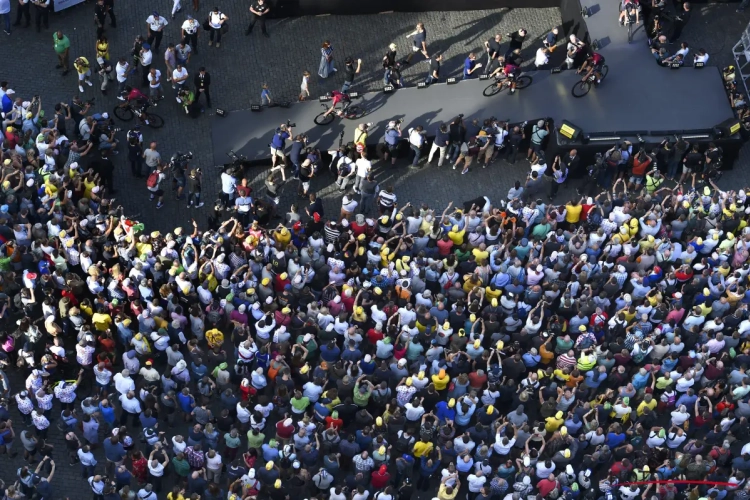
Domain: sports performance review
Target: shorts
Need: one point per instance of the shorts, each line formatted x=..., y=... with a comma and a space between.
x=598, y=67
x=536, y=147
x=180, y=181
x=157, y=193
x=392, y=148
x=636, y=179
x=277, y=152
x=469, y=159
x=83, y=76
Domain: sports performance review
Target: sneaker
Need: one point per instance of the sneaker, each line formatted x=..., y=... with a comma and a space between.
x=80, y=88
x=210, y=43
x=145, y=121
x=454, y=167
x=218, y=44
x=6, y=32
x=463, y=172
x=120, y=97
x=190, y=205
x=159, y=205
x=89, y=83
x=151, y=198
x=512, y=91
x=199, y=205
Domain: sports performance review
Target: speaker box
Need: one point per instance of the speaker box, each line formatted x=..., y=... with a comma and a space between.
x=221, y=112
x=569, y=131
x=729, y=127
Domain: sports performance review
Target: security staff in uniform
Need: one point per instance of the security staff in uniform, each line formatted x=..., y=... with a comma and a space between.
x=190, y=33
x=42, y=14
x=24, y=9
x=258, y=10
x=202, y=83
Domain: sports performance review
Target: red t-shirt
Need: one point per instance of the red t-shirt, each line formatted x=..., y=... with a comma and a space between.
x=585, y=209
x=475, y=381
x=379, y=482
x=444, y=247
x=284, y=432
x=545, y=487
x=373, y=336
x=335, y=423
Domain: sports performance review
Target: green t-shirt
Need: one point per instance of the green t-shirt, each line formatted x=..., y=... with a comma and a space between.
x=255, y=442
x=181, y=467
x=300, y=404
x=361, y=398
x=5, y=263
x=61, y=44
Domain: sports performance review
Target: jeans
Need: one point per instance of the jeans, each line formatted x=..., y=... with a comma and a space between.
x=417, y=154
x=674, y=165
x=194, y=198
x=154, y=39
x=429, y=79
x=6, y=21
x=358, y=180
x=217, y=32
x=434, y=148
x=365, y=203
x=453, y=151
x=345, y=87
x=387, y=74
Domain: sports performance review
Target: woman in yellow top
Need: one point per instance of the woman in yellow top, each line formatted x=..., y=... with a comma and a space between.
x=102, y=48
x=554, y=423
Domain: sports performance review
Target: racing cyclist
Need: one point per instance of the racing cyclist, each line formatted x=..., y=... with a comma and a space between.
x=137, y=100
x=338, y=97
x=507, y=71
x=593, y=64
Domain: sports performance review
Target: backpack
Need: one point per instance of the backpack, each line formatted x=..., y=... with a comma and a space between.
x=153, y=179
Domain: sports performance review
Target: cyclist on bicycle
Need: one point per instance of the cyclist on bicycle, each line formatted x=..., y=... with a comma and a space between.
x=338, y=97
x=593, y=64
x=507, y=73
x=630, y=9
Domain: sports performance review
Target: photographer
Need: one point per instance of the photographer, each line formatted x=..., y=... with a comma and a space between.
x=345, y=170
x=179, y=164
x=456, y=133
x=392, y=139
x=277, y=144
x=416, y=141
x=538, y=133
x=135, y=150
x=78, y=109
x=105, y=73
x=107, y=139
x=295, y=153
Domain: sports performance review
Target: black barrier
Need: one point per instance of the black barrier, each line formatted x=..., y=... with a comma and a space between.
x=288, y=8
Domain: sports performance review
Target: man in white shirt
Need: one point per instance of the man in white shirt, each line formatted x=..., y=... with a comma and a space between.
x=121, y=70
x=154, y=83
x=363, y=167
x=228, y=185
x=416, y=141
x=190, y=32
x=156, y=469
x=123, y=382
x=476, y=481
x=179, y=77
x=147, y=58
x=130, y=406
x=156, y=24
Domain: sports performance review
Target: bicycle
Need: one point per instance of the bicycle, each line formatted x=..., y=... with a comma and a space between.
x=353, y=112
x=581, y=88
x=522, y=81
x=126, y=112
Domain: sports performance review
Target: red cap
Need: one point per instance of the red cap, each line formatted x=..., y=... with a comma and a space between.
x=297, y=226
x=383, y=470
x=316, y=217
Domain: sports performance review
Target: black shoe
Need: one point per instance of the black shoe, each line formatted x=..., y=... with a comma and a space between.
x=64, y=73
x=58, y=66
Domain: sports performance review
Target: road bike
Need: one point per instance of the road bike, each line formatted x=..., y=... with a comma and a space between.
x=581, y=88
x=353, y=112
x=126, y=112
x=522, y=81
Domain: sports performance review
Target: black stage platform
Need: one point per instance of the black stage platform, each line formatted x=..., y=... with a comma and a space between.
x=636, y=95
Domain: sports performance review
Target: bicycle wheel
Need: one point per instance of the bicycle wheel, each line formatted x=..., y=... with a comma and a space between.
x=580, y=89
x=491, y=90
x=523, y=81
x=125, y=114
x=605, y=70
x=355, y=112
x=155, y=121
x=323, y=119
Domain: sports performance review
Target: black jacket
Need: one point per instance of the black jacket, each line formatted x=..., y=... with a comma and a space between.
x=202, y=82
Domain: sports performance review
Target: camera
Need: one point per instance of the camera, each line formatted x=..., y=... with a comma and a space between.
x=289, y=124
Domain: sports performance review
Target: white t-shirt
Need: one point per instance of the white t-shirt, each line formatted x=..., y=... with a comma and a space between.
x=416, y=138
x=476, y=483
x=363, y=167
x=147, y=57
x=500, y=137
x=156, y=23
x=228, y=183
x=701, y=58
x=155, y=79
x=121, y=70
x=157, y=471
x=190, y=26
x=541, y=58
x=215, y=18
x=179, y=74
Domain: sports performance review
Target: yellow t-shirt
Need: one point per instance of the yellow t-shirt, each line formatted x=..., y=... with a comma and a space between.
x=421, y=449
x=573, y=213
x=480, y=255
x=552, y=424
x=651, y=405
x=443, y=493
x=101, y=321
x=457, y=237
x=440, y=383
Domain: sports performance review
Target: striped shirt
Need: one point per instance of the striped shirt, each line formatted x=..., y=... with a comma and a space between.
x=387, y=199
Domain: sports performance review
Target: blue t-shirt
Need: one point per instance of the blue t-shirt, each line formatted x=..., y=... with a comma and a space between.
x=468, y=66
x=614, y=440
x=278, y=139
x=294, y=154
x=392, y=137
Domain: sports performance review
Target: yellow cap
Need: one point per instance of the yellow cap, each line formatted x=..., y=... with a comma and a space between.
x=500, y=344
x=462, y=332
x=286, y=310
x=715, y=236
x=420, y=375
x=277, y=484
x=559, y=415
x=472, y=317
x=265, y=281
x=477, y=343
x=250, y=291
x=490, y=410
x=379, y=421
x=361, y=237
x=283, y=276
x=582, y=328
x=360, y=310
x=493, y=302
x=650, y=239
x=446, y=326
x=646, y=468
x=563, y=431
x=384, y=219
x=409, y=381
x=382, y=450
x=269, y=465
x=304, y=369
x=452, y=403
x=566, y=453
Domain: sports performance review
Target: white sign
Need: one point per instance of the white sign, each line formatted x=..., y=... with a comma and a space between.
x=64, y=4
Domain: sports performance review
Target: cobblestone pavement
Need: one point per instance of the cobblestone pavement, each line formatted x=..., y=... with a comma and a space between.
x=243, y=64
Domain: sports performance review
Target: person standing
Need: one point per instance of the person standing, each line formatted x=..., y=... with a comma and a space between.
x=416, y=141
x=516, y=41
x=83, y=68
x=419, y=42
x=135, y=151
x=121, y=71
x=559, y=174
x=492, y=46
x=100, y=16
x=105, y=73
x=24, y=10
x=389, y=60
x=258, y=10
x=156, y=24
x=194, y=188
x=42, y=14
x=434, y=72
x=170, y=60
x=5, y=14
x=442, y=139
x=182, y=52
x=147, y=58
x=110, y=4
x=202, y=83
x=538, y=133
x=369, y=189
x=680, y=21
x=62, y=48
x=471, y=66
x=277, y=148
x=190, y=32
x=216, y=20
x=154, y=84
x=349, y=73
x=304, y=88
x=152, y=157
x=326, y=60
x=363, y=167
